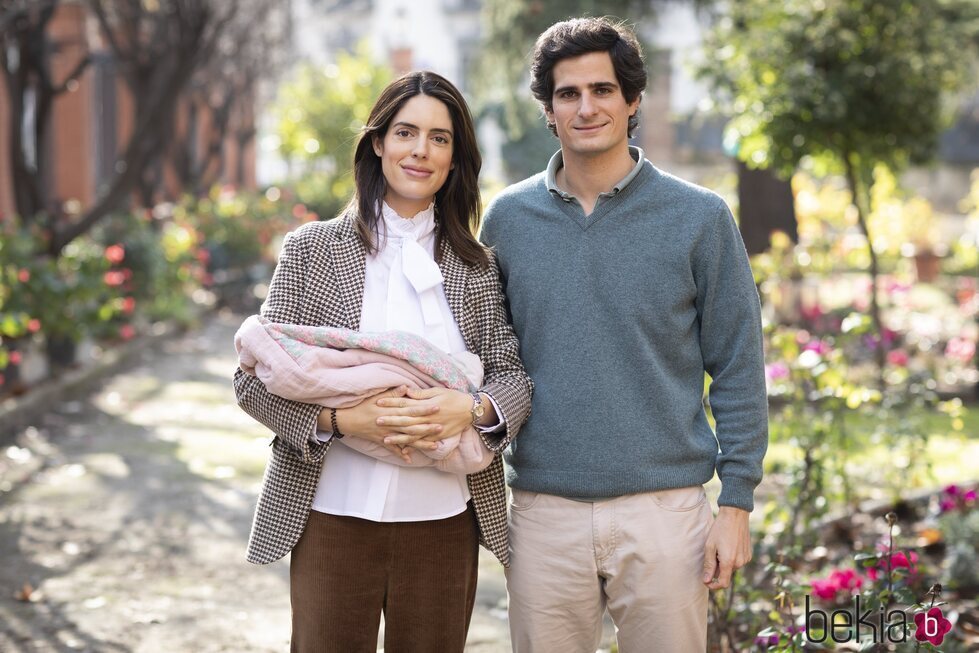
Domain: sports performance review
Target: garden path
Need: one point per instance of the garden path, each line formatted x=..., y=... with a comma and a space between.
x=124, y=516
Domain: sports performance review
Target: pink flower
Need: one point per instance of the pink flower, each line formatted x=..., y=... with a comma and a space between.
x=952, y=490
x=128, y=305
x=776, y=371
x=114, y=278
x=115, y=254
x=23, y=275
x=812, y=313
x=846, y=580
x=892, y=286
x=298, y=211
x=34, y=325
x=824, y=589
x=126, y=332
x=898, y=357
x=15, y=358
x=821, y=347
x=899, y=559
x=946, y=505
x=839, y=581
x=969, y=496
x=961, y=349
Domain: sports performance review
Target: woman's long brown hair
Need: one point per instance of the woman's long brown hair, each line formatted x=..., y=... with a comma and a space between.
x=457, y=202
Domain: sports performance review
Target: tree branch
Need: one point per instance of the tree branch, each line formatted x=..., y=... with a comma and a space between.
x=73, y=76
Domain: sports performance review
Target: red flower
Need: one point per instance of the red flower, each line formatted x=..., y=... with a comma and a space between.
x=128, y=305
x=899, y=559
x=115, y=254
x=824, y=589
x=23, y=275
x=34, y=325
x=898, y=357
x=126, y=332
x=298, y=211
x=15, y=357
x=932, y=626
x=846, y=579
x=812, y=313
x=114, y=278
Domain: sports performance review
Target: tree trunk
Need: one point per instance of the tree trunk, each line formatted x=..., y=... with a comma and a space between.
x=765, y=205
x=61, y=352
x=860, y=196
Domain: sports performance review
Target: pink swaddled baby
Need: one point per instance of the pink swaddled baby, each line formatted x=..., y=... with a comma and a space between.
x=338, y=368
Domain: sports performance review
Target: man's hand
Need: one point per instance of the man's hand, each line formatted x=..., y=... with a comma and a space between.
x=450, y=409
x=728, y=547
x=361, y=421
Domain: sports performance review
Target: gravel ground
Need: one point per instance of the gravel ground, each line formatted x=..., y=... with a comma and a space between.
x=124, y=516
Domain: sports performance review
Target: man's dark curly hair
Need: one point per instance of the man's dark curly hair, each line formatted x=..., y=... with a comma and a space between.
x=578, y=36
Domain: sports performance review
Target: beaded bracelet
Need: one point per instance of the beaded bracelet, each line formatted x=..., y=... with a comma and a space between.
x=333, y=423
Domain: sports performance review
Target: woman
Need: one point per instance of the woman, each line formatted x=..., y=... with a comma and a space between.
x=368, y=536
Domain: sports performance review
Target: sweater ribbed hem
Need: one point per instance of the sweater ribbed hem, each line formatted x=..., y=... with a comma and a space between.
x=736, y=492
x=611, y=483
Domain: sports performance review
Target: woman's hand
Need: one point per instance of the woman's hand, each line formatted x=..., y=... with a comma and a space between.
x=364, y=420
x=453, y=412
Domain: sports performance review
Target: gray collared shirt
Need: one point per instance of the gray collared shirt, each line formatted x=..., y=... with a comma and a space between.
x=557, y=162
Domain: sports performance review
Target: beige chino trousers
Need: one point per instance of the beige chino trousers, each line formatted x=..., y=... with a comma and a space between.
x=640, y=555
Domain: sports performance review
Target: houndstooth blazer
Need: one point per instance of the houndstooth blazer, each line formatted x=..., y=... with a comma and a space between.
x=319, y=281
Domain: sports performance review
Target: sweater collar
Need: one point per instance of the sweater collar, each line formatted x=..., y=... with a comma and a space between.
x=557, y=162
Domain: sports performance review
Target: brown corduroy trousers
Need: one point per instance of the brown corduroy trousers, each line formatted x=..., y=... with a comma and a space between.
x=345, y=571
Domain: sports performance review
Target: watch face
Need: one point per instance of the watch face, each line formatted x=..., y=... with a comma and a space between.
x=479, y=410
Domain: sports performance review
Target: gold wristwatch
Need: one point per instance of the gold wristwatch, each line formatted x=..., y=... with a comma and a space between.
x=478, y=408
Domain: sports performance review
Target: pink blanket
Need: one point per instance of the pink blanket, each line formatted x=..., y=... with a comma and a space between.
x=338, y=368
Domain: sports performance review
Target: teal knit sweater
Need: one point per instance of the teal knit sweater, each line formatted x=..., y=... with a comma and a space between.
x=619, y=315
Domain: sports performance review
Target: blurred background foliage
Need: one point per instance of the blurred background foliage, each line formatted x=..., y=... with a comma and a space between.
x=320, y=113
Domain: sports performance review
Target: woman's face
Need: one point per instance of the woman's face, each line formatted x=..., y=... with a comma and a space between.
x=416, y=154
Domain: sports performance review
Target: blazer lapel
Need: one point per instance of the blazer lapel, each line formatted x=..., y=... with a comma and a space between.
x=348, y=258
x=455, y=275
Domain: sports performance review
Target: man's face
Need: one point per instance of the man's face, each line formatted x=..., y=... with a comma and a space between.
x=588, y=109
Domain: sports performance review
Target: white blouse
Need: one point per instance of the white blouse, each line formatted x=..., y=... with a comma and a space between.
x=402, y=290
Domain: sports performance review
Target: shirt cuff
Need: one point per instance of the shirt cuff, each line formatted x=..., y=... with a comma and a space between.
x=494, y=427
x=321, y=436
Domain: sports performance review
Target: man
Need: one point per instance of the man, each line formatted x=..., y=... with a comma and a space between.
x=625, y=286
